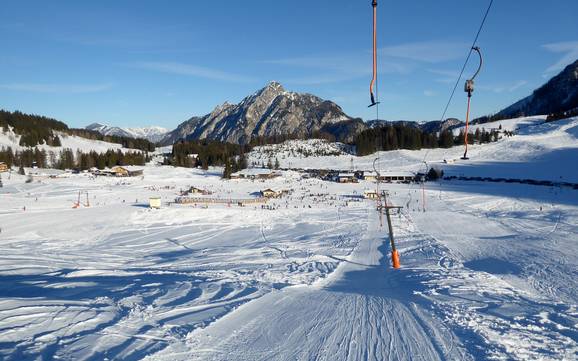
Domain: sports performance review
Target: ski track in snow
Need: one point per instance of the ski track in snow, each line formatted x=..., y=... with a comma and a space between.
x=135, y=280
x=434, y=308
x=489, y=271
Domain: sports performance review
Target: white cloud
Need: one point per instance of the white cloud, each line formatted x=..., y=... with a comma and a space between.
x=397, y=59
x=57, y=88
x=429, y=93
x=427, y=51
x=504, y=88
x=339, y=68
x=191, y=70
x=447, y=76
x=570, y=51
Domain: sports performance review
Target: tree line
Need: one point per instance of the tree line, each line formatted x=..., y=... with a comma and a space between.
x=205, y=153
x=260, y=140
x=35, y=130
x=68, y=159
x=562, y=115
x=126, y=142
x=399, y=136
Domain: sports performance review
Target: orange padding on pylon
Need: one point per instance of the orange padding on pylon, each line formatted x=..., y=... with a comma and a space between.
x=395, y=259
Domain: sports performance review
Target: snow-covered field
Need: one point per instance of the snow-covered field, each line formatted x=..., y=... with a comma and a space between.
x=119, y=280
x=489, y=270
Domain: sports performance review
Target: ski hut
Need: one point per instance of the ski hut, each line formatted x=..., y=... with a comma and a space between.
x=119, y=171
x=195, y=190
x=401, y=177
x=124, y=172
x=3, y=167
x=370, y=176
x=346, y=178
x=255, y=174
x=155, y=202
x=270, y=193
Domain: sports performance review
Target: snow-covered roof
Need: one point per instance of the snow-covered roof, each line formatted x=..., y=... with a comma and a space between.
x=396, y=174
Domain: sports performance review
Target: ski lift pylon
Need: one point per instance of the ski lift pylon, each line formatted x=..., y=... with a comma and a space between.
x=469, y=88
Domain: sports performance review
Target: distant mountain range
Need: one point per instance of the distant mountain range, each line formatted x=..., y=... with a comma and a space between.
x=273, y=111
x=153, y=134
x=559, y=94
x=434, y=126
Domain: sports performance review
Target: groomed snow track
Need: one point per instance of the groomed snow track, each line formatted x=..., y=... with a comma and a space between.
x=433, y=308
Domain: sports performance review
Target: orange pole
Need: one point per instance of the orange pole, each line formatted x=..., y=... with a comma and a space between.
x=395, y=259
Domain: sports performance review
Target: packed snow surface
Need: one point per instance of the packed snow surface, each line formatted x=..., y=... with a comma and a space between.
x=489, y=271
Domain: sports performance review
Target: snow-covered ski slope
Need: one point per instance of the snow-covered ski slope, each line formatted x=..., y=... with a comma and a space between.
x=483, y=277
x=536, y=146
x=12, y=140
x=489, y=270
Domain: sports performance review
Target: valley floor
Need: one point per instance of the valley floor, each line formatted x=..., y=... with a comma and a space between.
x=489, y=271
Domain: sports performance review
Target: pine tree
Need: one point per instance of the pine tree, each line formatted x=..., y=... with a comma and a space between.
x=269, y=164
x=243, y=164
x=21, y=171
x=446, y=139
x=277, y=163
x=227, y=171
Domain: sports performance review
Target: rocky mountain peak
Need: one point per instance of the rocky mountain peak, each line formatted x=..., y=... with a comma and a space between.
x=269, y=92
x=270, y=111
x=275, y=86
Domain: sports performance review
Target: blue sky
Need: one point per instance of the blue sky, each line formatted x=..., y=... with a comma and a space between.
x=141, y=62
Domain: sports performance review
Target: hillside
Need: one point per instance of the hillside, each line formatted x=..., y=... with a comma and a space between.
x=12, y=140
x=559, y=94
x=538, y=150
x=310, y=148
x=433, y=126
x=32, y=130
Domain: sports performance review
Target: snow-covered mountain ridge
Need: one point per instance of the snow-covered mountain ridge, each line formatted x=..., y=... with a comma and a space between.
x=152, y=133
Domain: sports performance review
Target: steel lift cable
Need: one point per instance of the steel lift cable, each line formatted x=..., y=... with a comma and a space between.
x=465, y=64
